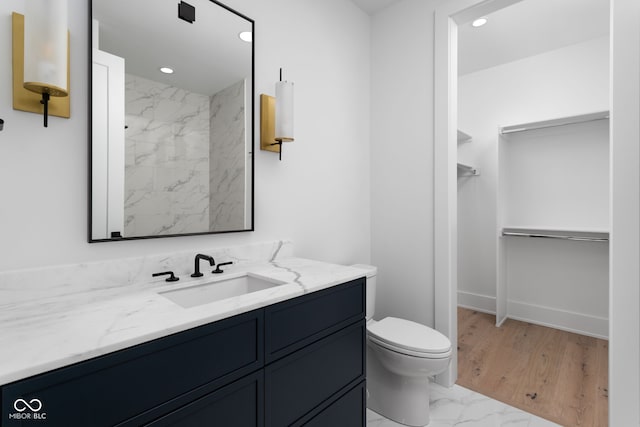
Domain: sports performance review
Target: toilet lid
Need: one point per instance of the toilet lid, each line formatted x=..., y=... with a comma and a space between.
x=405, y=334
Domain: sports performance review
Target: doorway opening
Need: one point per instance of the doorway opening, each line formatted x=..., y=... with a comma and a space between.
x=496, y=175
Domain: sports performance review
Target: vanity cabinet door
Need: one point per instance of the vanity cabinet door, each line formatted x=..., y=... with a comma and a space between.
x=240, y=404
x=349, y=410
x=140, y=383
x=293, y=324
x=304, y=380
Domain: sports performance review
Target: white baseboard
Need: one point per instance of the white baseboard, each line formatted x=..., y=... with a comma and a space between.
x=578, y=323
x=477, y=302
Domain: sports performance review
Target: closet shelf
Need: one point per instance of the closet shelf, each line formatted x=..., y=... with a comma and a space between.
x=463, y=137
x=470, y=169
x=563, y=121
x=584, y=235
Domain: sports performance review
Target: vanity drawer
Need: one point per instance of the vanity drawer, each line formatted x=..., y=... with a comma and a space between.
x=303, y=381
x=236, y=405
x=293, y=324
x=348, y=410
x=134, y=382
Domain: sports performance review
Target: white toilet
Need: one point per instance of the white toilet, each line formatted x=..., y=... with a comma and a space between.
x=401, y=356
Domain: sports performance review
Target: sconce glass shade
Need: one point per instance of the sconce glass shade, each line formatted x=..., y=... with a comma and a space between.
x=284, y=111
x=45, y=47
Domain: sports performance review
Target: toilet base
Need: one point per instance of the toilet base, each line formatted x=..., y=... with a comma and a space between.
x=402, y=399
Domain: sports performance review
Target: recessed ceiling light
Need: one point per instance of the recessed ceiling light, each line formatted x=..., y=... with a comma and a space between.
x=479, y=22
x=166, y=70
x=246, y=36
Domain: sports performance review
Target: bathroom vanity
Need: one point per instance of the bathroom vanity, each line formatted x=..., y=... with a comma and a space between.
x=298, y=361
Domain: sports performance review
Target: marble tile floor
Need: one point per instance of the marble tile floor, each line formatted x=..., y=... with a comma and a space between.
x=462, y=407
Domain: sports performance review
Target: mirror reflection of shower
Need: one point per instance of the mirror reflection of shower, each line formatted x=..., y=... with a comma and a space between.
x=178, y=158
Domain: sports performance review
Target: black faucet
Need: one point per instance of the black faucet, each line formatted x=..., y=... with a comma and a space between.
x=217, y=270
x=196, y=267
x=173, y=278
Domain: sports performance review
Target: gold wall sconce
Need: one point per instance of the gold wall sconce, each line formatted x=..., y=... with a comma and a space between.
x=41, y=59
x=276, y=117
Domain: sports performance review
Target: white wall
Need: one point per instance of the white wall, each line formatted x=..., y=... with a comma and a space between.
x=318, y=196
x=402, y=186
x=624, y=339
x=557, y=177
x=563, y=82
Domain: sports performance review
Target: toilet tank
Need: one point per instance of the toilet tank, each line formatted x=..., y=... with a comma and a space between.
x=371, y=273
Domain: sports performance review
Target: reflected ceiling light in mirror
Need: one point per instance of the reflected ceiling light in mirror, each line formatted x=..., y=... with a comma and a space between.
x=166, y=70
x=479, y=22
x=246, y=36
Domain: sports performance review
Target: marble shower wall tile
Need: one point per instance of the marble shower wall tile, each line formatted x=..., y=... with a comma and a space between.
x=227, y=159
x=166, y=159
x=50, y=284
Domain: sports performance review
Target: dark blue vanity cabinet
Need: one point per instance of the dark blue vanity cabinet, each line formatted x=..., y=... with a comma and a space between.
x=314, y=347
x=298, y=362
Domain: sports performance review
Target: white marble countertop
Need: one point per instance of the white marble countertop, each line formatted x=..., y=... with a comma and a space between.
x=57, y=331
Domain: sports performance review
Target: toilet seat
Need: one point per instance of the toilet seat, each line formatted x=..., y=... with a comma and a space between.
x=410, y=338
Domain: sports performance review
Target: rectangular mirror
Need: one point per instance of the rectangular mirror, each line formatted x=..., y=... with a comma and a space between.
x=171, y=119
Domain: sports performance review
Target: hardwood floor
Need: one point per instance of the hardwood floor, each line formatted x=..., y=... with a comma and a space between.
x=554, y=374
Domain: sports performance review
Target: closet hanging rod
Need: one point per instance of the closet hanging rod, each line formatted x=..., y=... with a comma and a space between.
x=467, y=168
x=582, y=118
x=556, y=236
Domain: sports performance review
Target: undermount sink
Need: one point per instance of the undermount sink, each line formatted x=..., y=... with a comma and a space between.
x=220, y=289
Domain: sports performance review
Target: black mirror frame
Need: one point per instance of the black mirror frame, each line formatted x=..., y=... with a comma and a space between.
x=90, y=143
